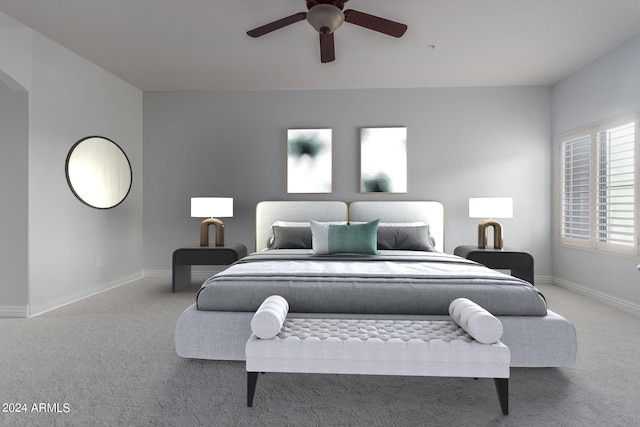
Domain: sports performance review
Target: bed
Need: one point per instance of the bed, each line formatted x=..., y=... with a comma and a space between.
x=405, y=276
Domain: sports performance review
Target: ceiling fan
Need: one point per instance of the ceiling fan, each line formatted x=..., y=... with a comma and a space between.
x=326, y=16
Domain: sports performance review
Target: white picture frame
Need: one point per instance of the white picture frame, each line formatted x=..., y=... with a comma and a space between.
x=383, y=159
x=309, y=160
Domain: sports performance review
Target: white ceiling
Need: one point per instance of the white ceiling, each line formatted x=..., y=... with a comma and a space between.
x=164, y=45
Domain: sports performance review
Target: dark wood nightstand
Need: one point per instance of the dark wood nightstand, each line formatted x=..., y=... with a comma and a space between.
x=520, y=263
x=184, y=258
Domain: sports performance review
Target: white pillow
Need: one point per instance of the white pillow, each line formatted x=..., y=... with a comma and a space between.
x=483, y=326
x=268, y=319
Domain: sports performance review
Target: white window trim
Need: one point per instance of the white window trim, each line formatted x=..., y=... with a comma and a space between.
x=592, y=244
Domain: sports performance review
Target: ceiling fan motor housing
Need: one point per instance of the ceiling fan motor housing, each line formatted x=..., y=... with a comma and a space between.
x=325, y=18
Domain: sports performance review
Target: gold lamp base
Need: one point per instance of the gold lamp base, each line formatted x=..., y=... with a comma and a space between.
x=204, y=231
x=497, y=234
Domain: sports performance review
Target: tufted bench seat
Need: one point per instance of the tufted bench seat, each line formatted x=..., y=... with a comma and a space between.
x=379, y=347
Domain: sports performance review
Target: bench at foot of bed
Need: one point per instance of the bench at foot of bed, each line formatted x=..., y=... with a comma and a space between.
x=445, y=348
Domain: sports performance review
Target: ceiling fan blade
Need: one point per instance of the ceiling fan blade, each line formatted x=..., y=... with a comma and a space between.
x=375, y=23
x=276, y=25
x=327, y=48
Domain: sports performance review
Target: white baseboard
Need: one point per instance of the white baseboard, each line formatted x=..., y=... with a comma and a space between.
x=543, y=280
x=156, y=273
x=35, y=310
x=7, y=311
x=600, y=296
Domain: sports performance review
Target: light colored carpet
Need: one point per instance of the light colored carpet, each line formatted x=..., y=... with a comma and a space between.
x=109, y=360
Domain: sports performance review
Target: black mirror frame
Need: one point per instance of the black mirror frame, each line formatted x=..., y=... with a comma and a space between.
x=66, y=170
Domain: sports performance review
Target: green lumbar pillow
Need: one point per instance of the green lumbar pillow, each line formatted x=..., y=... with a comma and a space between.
x=354, y=239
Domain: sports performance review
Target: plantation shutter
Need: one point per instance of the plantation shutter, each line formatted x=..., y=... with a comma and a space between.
x=576, y=158
x=616, y=189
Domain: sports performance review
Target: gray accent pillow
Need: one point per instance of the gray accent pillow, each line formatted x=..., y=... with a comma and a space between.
x=414, y=238
x=291, y=238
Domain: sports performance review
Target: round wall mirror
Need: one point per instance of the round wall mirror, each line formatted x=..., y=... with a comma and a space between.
x=98, y=172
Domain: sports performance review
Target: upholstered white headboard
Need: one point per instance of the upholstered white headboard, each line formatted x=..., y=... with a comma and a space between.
x=268, y=212
x=402, y=211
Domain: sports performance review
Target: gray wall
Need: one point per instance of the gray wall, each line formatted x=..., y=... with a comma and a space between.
x=608, y=87
x=68, y=98
x=13, y=191
x=72, y=98
x=462, y=142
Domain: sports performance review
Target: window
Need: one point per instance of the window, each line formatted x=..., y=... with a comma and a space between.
x=599, y=182
x=576, y=155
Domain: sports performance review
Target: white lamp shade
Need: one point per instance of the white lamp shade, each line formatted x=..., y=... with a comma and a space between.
x=491, y=207
x=209, y=207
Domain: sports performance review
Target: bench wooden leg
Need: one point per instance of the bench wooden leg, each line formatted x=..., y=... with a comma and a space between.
x=502, y=386
x=252, y=378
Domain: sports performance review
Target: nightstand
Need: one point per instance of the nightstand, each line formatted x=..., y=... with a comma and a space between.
x=520, y=263
x=184, y=258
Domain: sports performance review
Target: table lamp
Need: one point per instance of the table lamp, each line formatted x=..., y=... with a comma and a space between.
x=490, y=207
x=210, y=207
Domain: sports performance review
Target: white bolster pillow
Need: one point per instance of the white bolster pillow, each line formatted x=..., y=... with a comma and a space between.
x=269, y=317
x=483, y=326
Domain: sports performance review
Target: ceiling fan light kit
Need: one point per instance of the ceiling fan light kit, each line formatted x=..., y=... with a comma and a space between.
x=325, y=16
